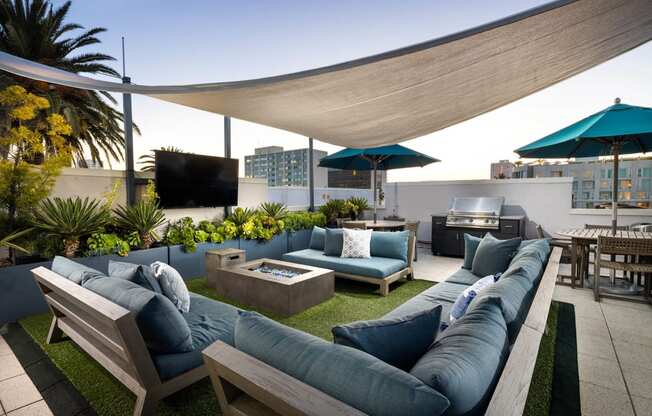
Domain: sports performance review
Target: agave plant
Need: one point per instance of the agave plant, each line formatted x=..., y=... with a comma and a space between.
x=360, y=205
x=274, y=210
x=332, y=209
x=143, y=218
x=7, y=241
x=70, y=219
x=240, y=216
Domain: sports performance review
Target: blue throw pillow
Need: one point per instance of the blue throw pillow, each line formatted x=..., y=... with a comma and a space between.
x=470, y=246
x=493, y=255
x=72, y=270
x=317, y=238
x=399, y=342
x=393, y=245
x=333, y=242
x=160, y=323
x=139, y=274
x=351, y=376
x=464, y=299
x=464, y=364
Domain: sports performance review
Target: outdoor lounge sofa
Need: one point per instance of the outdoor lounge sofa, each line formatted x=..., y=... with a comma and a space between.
x=392, y=254
x=120, y=340
x=284, y=371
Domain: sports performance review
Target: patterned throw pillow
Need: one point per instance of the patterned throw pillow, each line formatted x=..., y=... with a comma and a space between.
x=356, y=244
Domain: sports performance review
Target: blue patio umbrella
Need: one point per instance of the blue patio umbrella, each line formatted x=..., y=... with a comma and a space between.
x=619, y=129
x=376, y=158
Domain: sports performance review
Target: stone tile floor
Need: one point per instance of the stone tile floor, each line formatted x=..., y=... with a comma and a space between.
x=614, y=342
x=18, y=395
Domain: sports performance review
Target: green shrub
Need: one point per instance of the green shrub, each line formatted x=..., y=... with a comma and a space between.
x=102, y=244
x=303, y=220
x=262, y=227
x=181, y=232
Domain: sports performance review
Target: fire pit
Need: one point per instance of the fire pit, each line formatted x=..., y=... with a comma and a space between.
x=276, y=286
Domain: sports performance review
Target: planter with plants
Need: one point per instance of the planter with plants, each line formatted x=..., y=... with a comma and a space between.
x=299, y=228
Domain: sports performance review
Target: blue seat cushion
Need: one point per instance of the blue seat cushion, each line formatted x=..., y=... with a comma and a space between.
x=515, y=290
x=333, y=242
x=393, y=245
x=347, y=374
x=463, y=276
x=72, y=270
x=209, y=321
x=471, y=244
x=493, y=255
x=139, y=274
x=317, y=238
x=378, y=267
x=160, y=323
x=398, y=341
x=465, y=363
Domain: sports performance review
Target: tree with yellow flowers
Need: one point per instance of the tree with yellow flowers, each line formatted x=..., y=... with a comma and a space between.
x=33, y=150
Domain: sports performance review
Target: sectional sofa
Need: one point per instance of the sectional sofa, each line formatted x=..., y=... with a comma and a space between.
x=392, y=254
x=482, y=364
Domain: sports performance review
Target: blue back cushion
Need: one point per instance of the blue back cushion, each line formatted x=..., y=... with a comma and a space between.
x=139, y=274
x=317, y=238
x=493, y=255
x=398, y=341
x=351, y=376
x=470, y=246
x=333, y=242
x=465, y=363
x=72, y=270
x=393, y=245
x=159, y=321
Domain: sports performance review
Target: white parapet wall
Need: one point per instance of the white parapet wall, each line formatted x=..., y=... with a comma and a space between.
x=97, y=183
x=545, y=201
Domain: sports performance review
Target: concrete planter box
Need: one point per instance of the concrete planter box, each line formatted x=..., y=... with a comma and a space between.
x=299, y=240
x=148, y=256
x=192, y=265
x=272, y=249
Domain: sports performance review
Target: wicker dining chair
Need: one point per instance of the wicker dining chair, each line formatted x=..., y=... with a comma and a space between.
x=565, y=245
x=638, y=249
x=354, y=225
x=592, y=247
x=413, y=228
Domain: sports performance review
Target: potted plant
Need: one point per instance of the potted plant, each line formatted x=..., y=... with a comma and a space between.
x=141, y=221
x=360, y=204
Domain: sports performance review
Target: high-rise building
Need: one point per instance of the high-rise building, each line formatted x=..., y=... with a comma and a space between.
x=357, y=179
x=593, y=180
x=502, y=169
x=285, y=167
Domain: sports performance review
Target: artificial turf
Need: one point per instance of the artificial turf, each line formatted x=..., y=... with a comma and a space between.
x=352, y=301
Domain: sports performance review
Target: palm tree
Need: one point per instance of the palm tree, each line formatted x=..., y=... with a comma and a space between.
x=148, y=161
x=38, y=31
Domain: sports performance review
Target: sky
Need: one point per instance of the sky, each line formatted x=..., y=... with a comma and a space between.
x=172, y=42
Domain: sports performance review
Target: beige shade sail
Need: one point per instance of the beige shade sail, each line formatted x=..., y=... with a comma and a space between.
x=413, y=91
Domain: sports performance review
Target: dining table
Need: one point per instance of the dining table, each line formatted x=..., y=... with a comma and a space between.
x=581, y=241
x=382, y=225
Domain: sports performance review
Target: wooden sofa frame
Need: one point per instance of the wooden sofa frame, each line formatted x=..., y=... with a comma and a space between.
x=109, y=334
x=384, y=283
x=246, y=386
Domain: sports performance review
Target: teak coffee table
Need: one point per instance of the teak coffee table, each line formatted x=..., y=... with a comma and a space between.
x=296, y=288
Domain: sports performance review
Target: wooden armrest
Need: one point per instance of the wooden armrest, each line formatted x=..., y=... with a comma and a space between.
x=262, y=389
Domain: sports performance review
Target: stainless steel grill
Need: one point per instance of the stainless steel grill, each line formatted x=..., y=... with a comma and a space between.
x=475, y=212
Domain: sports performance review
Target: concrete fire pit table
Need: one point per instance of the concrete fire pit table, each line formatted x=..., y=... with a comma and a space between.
x=276, y=286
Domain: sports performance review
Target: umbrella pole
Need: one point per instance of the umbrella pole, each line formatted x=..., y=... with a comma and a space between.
x=375, y=188
x=615, y=150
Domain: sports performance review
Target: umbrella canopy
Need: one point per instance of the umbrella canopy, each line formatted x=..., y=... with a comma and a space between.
x=619, y=129
x=386, y=158
x=376, y=158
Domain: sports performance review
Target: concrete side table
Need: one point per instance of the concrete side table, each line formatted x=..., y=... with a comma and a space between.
x=220, y=259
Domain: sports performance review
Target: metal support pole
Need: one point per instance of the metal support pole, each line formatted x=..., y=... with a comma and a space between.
x=311, y=175
x=227, y=151
x=375, y=190
x=615, y=150
x=129, y=144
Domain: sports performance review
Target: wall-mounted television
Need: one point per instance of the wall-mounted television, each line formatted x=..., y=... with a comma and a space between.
x=185, y=180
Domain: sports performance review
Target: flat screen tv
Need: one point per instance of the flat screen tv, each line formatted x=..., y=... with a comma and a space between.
x=185, y=180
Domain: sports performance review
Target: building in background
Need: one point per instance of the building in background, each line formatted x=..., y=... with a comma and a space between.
x=592, y=180
x=285, y=167
x=354, y=179
x=502, y=170
x=90, y=164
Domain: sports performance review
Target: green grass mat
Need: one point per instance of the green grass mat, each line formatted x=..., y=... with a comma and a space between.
x=352, y=301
